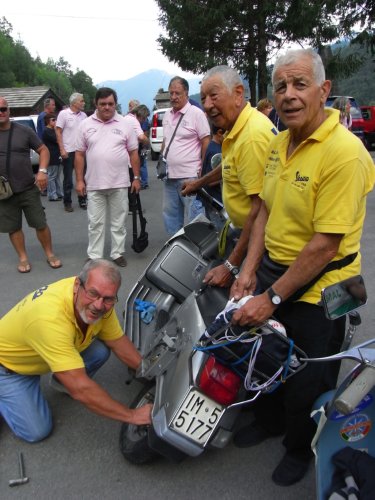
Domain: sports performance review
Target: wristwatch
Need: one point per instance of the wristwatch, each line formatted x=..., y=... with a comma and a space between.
x=43, y=170
x=275, y=299
x=234, y=270
x=136, y=178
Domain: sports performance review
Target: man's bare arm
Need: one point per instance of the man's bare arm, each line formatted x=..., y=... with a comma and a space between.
x=316, y=254
x=220, y=275
x=85, y=390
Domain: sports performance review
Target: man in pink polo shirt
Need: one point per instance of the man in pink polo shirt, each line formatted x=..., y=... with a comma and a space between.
x=109, y=144
x=67, y=124
x=184, y=152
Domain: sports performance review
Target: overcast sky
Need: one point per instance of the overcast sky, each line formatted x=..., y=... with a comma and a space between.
x=108, y=39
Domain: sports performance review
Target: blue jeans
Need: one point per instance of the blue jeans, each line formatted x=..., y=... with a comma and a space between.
x=176, y=208
x=54, y=190
x=144, y=172
x=23, y=405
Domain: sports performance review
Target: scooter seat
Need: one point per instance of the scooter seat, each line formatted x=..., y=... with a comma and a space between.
x=211, y=301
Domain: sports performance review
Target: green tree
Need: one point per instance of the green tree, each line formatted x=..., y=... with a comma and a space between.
x=246, y=34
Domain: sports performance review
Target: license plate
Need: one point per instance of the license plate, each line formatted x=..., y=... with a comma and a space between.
x=197, y=417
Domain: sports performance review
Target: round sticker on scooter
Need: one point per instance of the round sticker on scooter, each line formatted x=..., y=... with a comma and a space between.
x=356, y=428
x=364, y=403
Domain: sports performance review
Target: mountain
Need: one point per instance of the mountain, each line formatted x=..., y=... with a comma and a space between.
x=144, y=87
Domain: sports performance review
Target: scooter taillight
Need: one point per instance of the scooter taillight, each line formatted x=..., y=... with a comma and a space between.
x=219, y=382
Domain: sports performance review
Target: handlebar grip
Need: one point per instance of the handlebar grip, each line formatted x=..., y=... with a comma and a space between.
x=356, y=391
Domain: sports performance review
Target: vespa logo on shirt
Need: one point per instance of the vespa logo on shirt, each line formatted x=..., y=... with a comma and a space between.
x=300, y=181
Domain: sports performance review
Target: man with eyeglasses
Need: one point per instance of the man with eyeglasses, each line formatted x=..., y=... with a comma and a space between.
x=186, y=137
x=26, y=188
x=68, y=328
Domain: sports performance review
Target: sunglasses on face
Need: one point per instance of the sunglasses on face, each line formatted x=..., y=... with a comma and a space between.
x=3, y=109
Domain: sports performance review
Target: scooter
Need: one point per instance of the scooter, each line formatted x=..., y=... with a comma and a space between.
x=197, y=384
x=197, y=380
x=345, y=416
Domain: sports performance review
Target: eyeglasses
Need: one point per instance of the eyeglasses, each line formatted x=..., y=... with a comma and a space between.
x=4, y=110
x=93, y=295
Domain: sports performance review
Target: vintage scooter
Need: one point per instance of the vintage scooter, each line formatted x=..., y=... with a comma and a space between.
x=345, y=416
x=197, y=385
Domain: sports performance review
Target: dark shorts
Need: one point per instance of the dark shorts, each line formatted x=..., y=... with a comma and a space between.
x=30, y=204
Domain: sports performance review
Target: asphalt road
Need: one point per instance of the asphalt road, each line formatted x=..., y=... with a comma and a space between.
x=81, y=459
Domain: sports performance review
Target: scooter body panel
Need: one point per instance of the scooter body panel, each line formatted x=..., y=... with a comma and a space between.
x=355, y=430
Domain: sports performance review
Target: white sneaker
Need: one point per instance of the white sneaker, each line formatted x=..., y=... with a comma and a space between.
x=55, y=384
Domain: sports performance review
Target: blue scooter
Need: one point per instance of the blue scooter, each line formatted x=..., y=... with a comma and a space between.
x=345, y=416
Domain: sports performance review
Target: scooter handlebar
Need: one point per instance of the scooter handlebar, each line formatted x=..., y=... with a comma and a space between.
x=356, y=391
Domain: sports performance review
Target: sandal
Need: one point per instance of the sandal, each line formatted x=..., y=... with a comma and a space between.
x=54, y=262
x=23, y=267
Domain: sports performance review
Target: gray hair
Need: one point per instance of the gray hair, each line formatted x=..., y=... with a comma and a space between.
x=109, y=270
x=229, y=76
x=74, y=97
x=294, y=55
x=133, y=103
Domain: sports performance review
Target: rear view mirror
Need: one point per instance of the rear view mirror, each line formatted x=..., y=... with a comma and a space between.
x=343, y=297
x=216, y=160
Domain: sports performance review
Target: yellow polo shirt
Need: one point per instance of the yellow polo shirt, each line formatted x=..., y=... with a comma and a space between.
x=40, y=334
x=244, y=153
x=320, y=188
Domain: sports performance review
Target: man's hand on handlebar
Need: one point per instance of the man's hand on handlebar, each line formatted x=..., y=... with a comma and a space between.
x=219, y=276
x=190, y=187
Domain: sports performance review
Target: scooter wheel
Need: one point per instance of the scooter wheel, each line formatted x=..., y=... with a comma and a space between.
x=134, y=438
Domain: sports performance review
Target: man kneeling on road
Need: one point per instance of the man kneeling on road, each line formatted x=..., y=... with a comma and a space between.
x=68, y=328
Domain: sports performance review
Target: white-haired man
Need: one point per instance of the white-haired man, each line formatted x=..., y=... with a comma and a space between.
x=67, y=124
x=317, y=176
x=248, y=134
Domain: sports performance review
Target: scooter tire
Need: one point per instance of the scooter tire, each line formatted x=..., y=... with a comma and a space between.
x=134, y=438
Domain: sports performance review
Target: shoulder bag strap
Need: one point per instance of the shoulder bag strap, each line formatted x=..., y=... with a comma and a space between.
x=7, y=162
x=174, y=133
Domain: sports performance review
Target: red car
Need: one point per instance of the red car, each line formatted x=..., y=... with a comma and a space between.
x=368, y=113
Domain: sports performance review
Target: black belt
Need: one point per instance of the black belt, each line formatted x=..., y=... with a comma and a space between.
x=270, y=271
x=7, y=370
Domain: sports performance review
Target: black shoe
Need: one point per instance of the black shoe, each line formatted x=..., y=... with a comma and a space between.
x=68, y=208
x=83, y=206
x=292, y=468
x=120, y=261
x=251, y=435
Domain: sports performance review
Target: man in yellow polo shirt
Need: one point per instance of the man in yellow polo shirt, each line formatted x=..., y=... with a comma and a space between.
x=248, y=134
x=68, y=328
x=306, y=237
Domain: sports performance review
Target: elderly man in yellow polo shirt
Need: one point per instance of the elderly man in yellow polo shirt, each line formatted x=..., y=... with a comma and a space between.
x=306, y=237
x=68, y=328
x=248, y=134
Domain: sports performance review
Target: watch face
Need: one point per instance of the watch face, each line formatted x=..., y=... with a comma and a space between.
x=235, y=270
x=276, y=299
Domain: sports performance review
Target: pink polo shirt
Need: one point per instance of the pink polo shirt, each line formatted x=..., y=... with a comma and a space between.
x=134, y=123
x=69, y=122
x=184, y=155
x=106, y=145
